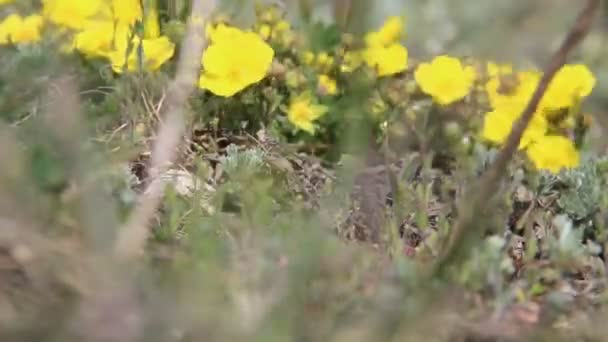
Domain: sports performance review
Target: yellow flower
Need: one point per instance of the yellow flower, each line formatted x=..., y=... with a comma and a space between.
x=388, y=34
x=351, y=61
x=324, y=61
x=514, y=87
x=155, y=52
x=73, y=13
x=151, y=21
x=498, y=123
x=265, y=31
x=3, y=2
x=327, y=85
x=553, y=153
x=308, y=57
x=234, y=60
x=96, y=40
x=495, y=70
x=222, y=32
x=302, y=112
x=282, y=25
x=388, y=60
x=445, y=79
x=126, y=11
x=16, y=29
x=570, y=84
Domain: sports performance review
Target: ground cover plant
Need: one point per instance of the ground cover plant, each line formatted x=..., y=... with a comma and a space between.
x=230, y=170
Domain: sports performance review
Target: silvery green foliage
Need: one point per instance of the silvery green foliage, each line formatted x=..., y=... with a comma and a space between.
x=580, y=189
x=488, y=265
x=235, y=161
x=568, y=244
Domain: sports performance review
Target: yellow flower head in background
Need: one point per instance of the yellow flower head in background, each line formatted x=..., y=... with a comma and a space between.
x=151, y=21
x=327, y=85
x=553, y=153
x=570, y=84
x=302, y=112
x=73, y=13
x=16, y=29
x=391, y=32
x=514, y=87
x=126, y=11
x=96, y=39
x=384, y=53
x=495, y=70
x=386, y=60
x=234, y=60
x=498, y=123
x=445, y=79
x=154, y=51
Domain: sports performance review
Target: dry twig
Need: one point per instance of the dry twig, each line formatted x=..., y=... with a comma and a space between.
x=133, y=235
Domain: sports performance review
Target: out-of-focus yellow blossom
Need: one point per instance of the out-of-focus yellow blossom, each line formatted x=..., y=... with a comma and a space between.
x=155, y=51
x=265, y=31
x=383, y=51
x=571, y=84
x=226, y=68
x=390, y=32
x=96, y=40
x=126, y=11
x=351, y=61
x=445, y=79
x=302, y=112
x=74, y=14
x=499, y=122
x=327, y=85
x=3, y=2
x=494, y=70
x=268, y=14
x=222, y=32
x=324, y=61
x=282, y=33
x=151, y=21
x=308, y=57
x=282, y=26
x=386, y=60
x=514, y=87
x=16, y=29
x=553, y=153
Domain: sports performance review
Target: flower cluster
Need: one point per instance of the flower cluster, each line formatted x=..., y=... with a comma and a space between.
x=98, y=29
x=298, y=81
x=234, y=60
x=509, y=93
x=383, y=51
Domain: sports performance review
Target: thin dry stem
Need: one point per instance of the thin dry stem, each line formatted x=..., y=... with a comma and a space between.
x=482, y=192
x=132, y=237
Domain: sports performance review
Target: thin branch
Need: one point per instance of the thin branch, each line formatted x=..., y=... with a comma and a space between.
x=132, y=237
x=476, y=200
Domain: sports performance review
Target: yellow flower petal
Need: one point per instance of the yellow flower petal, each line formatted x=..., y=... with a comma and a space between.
x=553, y=153
x=16, y=29
x=226, y=69
x=302, y=112
x=386, y=60
x=445, y=79
x=499, y=122
x=570, y=84
x=390, y=32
